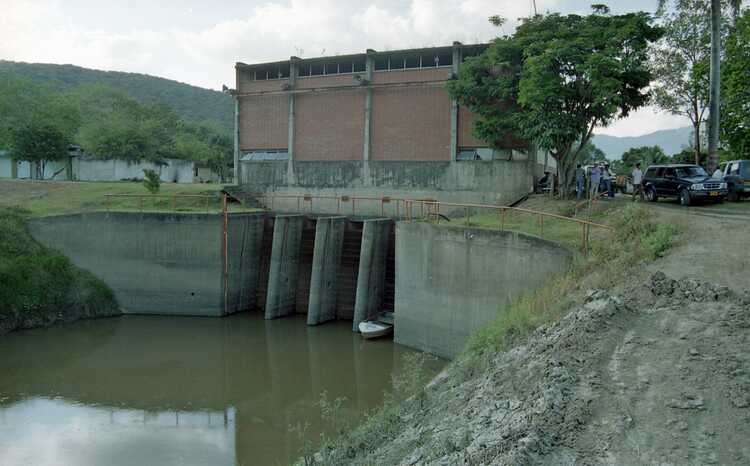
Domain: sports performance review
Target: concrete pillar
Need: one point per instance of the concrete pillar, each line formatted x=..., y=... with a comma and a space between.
x=244, y=250
x=329, y=240
x=456, y=62
x=371, y=278
x=281, y=295
x=237, y=169
x=369, y=68
x=290, y=138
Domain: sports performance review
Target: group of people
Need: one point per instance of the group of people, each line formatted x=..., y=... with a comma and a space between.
x=600, y=177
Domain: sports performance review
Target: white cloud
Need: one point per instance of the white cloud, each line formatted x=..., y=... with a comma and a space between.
x=644, y=121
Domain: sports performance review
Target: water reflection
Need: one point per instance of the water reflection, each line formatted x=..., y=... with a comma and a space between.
x=153, y=390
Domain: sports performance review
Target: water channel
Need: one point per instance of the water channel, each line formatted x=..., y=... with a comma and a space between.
x=181, y=390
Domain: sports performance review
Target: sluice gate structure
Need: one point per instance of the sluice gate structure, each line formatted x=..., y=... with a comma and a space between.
x=328, y=267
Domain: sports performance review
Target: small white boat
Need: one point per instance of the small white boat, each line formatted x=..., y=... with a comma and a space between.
x=370, y=329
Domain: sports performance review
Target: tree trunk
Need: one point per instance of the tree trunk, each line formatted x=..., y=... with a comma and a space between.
x=697, y=142
x=714, y=102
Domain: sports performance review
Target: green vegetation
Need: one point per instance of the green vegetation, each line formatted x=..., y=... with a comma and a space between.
x=636, y=238
x=39, y=286
x=151, y=181
x=645, y=155
x=191, y=103
x=37, y=123
x=42, y=198
x=681, y=64
x=557, y=78
x=735, y=125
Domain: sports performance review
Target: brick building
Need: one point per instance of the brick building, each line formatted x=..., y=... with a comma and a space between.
x=378, y=123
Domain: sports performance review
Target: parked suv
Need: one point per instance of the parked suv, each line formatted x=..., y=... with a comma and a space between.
x=688, y=183
x=737, y=176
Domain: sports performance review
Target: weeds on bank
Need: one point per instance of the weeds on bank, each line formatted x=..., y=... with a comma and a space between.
x=636, y=238
x=408, y=393
x=38, y=280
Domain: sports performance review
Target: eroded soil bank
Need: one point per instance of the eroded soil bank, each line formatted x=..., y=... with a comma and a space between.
x=651, y=369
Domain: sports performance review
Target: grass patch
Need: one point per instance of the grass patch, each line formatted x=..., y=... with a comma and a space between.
x=39, y=285
x=41, y=198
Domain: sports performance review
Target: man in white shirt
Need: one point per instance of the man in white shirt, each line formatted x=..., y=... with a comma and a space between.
x=638, y=182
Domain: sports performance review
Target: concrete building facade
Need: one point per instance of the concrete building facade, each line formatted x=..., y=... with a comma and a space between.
x=374, y=124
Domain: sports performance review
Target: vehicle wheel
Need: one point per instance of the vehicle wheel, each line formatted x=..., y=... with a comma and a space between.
x=651, y=195
x=732, y=196
x=684, y=197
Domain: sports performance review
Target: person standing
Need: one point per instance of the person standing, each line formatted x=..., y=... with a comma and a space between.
x=638, y=182
x=609, y=181
x=580, y=181
x=595, y=178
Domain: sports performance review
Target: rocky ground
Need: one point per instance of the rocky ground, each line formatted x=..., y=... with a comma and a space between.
x=654, y=370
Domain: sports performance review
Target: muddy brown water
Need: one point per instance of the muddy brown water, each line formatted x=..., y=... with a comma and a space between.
x=177, y=390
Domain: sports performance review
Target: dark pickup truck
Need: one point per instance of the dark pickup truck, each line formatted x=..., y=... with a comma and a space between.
x=687, y=183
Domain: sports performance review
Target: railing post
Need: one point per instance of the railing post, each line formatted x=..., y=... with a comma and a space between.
x=502, y=221
x=466, y=214
x=541, y=226
x=174, y=202
x=140, y=203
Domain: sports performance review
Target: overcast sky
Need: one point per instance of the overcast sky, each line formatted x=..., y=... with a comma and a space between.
x=198, y=41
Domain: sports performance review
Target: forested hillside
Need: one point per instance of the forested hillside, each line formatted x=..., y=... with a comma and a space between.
x=190, y=102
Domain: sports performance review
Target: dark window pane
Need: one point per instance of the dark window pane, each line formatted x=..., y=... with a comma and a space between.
x=359, y=65
x=345, y=67
x=381, y=62
x=412, y=61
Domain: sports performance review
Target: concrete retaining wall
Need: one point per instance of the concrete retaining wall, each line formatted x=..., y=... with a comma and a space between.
x=371, y=276
x=451, y=281
x=281, y=297
x=329, y=241
x=488, y=182
x=163, y=263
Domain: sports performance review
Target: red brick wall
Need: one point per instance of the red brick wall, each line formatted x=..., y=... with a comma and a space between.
x=264, y=122
x=410, y=123
x=403, y=76
x=329, y=125
x=466, y=137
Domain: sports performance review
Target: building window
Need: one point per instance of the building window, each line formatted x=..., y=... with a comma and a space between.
x=259, y=155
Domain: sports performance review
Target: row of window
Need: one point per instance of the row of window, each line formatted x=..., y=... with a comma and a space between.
x=396, y=61
x=464, y=154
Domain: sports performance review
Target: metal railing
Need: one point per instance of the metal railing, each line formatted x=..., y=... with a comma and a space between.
x=429, y=210
x=197, y=202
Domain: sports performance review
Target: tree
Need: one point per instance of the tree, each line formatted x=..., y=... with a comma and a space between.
x=735, y=109
x=681, y=63
x=151, y=180
x=39, y=143
x=127, y=130
x=644, y=155
x=556, y=79
x=590, y=155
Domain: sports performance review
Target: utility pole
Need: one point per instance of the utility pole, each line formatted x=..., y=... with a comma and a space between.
x=715, y=86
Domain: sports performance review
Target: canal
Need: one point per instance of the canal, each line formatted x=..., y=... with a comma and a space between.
x=182, y=390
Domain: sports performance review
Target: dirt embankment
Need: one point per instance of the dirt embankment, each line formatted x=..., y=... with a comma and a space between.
x=655, y=370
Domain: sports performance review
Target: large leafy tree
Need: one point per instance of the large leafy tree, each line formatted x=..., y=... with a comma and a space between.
x=645, y=155
x=735, y=128
x=36, y=123
x=557, y=78
x=128, y=130
x=681, y=64
x=39, y=142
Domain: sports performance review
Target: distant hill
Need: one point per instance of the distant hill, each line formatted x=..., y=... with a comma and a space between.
x=190, y=102
x=670, y=140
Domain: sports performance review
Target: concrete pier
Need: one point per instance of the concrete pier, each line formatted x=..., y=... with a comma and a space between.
x=372, y=263
x=329, y=240
x=283, y=271
x=244, y=244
